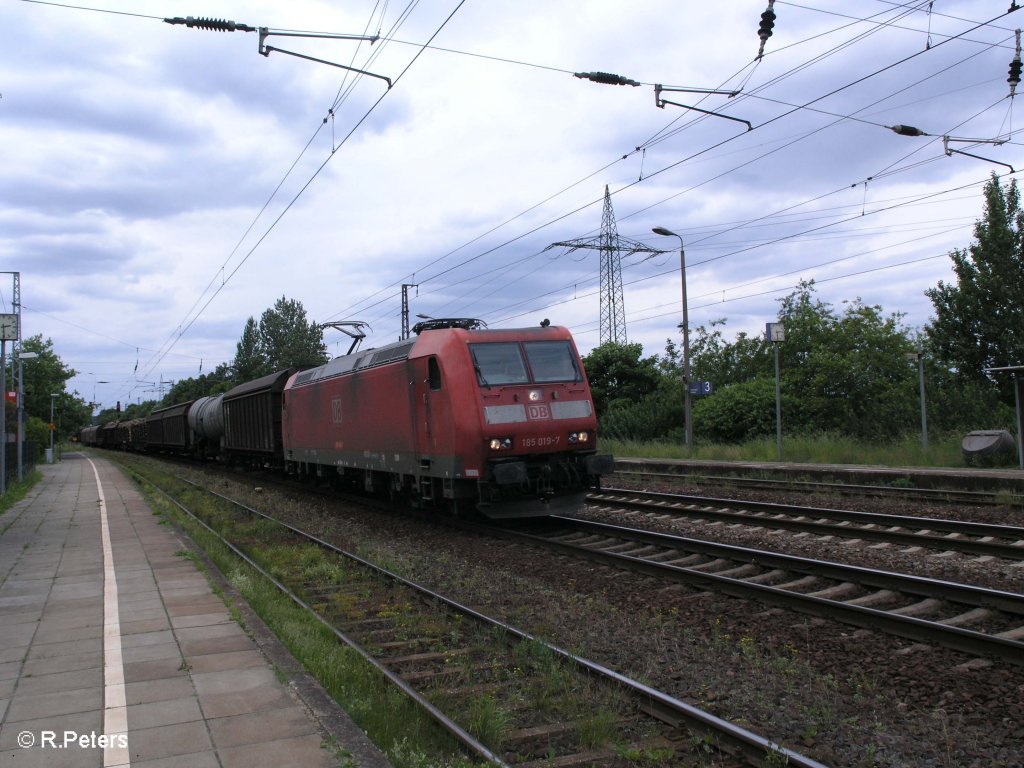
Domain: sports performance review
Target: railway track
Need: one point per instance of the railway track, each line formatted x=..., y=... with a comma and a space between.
x=980, y=539
x=977, y=621
x=556, y=708
x=863, y=490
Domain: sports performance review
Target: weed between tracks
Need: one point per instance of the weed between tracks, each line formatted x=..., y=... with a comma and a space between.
x=847, y=720
x=495, y=688
x=410, y=739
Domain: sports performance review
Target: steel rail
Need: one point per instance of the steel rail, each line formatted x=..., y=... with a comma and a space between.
x=735, y=739
x=652, y=501
x=464, y=737
x=965, y=640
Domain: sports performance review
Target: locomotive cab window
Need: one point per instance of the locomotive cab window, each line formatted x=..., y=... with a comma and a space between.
x=498, y=363
x=433, y=373
x=551, y=361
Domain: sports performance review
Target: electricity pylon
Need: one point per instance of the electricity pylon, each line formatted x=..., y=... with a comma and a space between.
x=612, y=246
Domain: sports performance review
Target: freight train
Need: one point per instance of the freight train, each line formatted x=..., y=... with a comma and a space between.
x=459, y=417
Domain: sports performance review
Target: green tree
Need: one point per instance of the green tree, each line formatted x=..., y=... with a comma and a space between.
x=250, y=361
x=44, y=376
x=979, y=319
x=846, y=372
x=722, y=363
x=220, y=379
x=282, y=338
x=37, y=431
x=617, y=372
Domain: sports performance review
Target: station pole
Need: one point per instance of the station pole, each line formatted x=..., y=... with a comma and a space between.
x=3, y=416
x=778, y=406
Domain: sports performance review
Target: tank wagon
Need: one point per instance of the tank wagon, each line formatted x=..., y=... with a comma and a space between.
x=206, y=420
x=500, y=420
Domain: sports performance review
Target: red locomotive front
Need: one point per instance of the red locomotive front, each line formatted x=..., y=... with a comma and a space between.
x=500, y=420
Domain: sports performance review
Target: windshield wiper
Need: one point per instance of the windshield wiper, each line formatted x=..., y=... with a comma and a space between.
x=480, y=376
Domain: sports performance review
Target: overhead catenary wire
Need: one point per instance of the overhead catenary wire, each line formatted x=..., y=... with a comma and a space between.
x=151, y=366
x=199, y=305
x=511, y=265
x=725, y=141
x=695, y=263
x=384, y=291
x=301, y=191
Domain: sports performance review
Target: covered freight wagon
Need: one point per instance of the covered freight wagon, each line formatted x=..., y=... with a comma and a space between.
x=252, y=420
x=167, y=430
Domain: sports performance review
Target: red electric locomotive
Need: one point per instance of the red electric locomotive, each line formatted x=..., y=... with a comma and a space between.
x=459, y=417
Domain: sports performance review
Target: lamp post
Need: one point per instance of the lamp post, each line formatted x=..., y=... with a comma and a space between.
x=776, y=334
x=918, y=356
x=21, y=410
x=686, y=335
x=53, y=397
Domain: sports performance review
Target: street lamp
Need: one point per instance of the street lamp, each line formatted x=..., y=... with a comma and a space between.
x=686, y=335
x=21, y=410
x=918, y=356
x=53, y=397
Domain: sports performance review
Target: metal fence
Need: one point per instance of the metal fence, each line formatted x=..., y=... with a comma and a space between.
x=32, y=455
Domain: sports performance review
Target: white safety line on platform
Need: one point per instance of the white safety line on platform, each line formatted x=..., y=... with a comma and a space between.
x=115, y=707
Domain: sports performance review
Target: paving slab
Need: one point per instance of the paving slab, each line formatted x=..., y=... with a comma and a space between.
x=107, y=633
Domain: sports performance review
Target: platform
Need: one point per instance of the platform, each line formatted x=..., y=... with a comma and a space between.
x=114, y=650
x=974, y=478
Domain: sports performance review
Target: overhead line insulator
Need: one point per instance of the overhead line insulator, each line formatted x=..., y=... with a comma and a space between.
x=607, y=78
x=906, y=130
x=214, y=25
x=1015, y=69
x=767, y=25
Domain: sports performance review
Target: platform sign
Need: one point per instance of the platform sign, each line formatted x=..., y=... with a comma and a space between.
x=774, y=332
x=701, y=388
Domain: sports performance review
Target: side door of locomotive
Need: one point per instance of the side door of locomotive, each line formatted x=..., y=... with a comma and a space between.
x=432, y=408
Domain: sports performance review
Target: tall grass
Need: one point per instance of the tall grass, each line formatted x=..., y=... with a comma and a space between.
x=943, y=451
x=16, y=491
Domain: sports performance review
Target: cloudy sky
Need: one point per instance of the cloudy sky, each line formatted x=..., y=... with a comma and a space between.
x=160, y=184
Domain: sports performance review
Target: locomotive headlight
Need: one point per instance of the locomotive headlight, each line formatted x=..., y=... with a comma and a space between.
x=501, y=443
x=536, y=395
x=578, y=437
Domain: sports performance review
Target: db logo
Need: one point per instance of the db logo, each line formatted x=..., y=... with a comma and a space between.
x=538, y=412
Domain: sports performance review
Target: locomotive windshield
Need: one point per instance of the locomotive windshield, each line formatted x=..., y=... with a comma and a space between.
x=498, y=364
x=501, y=363
x=551, y=361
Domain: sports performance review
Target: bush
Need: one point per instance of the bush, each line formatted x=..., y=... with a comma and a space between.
x=655, y=416
x=738, y=412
